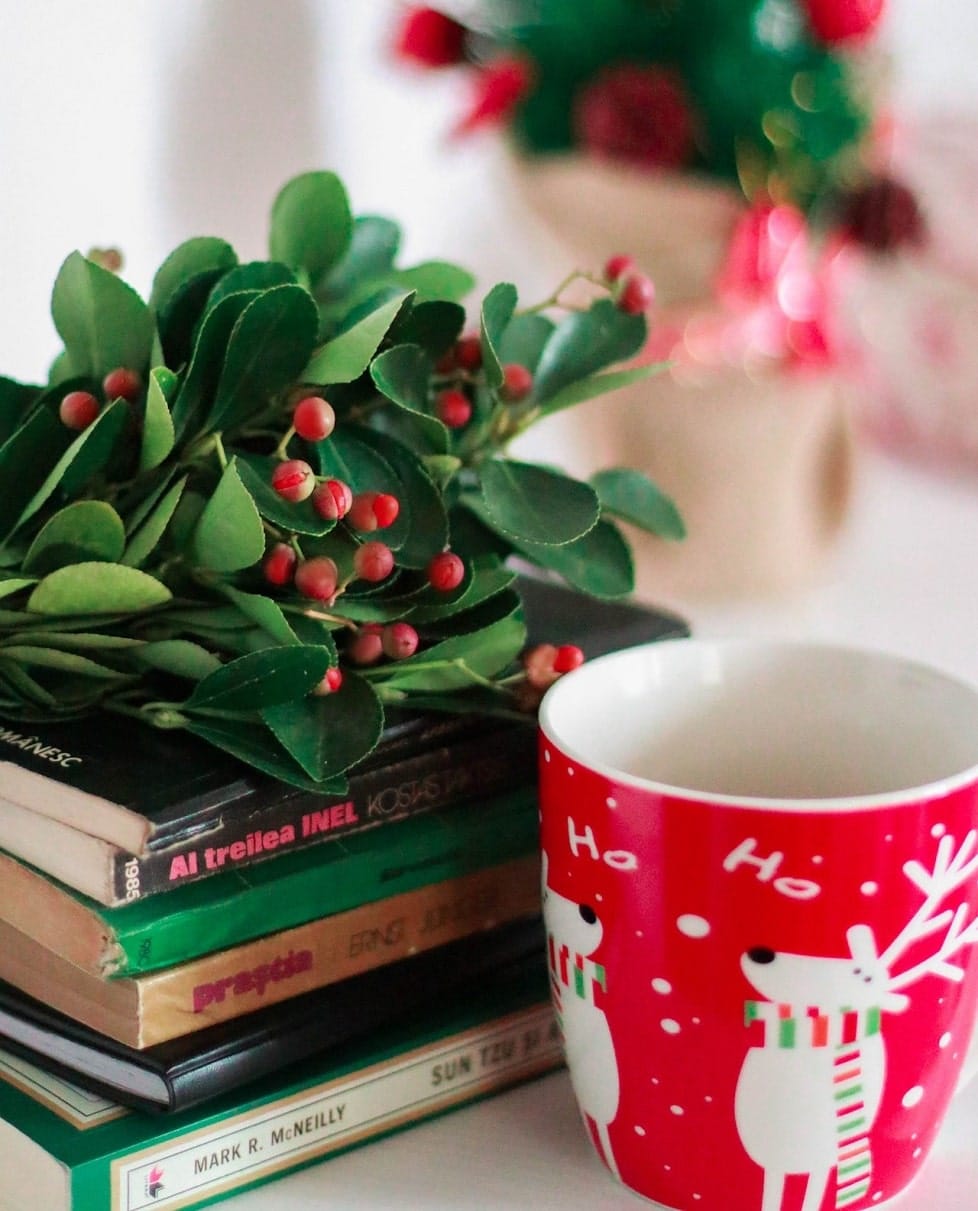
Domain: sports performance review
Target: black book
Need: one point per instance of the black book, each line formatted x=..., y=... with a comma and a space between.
x=219, y=1059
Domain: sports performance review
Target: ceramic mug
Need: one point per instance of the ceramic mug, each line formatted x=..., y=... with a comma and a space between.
x=761, y=898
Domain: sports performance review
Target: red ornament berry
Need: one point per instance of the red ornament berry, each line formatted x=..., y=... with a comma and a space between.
x=314, y=418
x=843, y=20
x=317, y=578
x=331, y=682
x=293, y=480
x=468, y=353
x=430, y=38
x=342, y=495
x=446, y=572
x=538, y=662
x=78, y=409
x=279, y=564
x=637, y=294
x=617, y=266
x=517, y=383
x=367, y=645
x=453, y=409
x=400, y=640
x=386, y=509
x=374, y=561
x=567, y=657
x=637, y=114
x=122, y=383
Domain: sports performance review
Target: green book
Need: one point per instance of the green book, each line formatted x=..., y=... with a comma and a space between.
x=241, y=904
x=62, y=1149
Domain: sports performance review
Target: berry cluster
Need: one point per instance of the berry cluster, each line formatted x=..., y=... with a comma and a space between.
x=79, y=409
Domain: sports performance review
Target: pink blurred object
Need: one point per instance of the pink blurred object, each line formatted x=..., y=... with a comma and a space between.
x=908, y=322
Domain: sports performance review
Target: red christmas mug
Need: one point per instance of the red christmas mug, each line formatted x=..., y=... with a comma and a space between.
x=761, y=899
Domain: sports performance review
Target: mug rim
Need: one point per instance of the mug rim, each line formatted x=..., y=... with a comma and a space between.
x=907, y=796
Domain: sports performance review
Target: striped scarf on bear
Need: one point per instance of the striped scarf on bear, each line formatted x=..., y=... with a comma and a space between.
x=842, y=1031
x=573, y=972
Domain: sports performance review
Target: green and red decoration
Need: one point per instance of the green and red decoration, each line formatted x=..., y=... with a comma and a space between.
x=244, y=507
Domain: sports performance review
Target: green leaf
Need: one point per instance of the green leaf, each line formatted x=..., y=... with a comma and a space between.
x=15, y=401
x=264, y=612
x=597, y=384
x=229, y=533
x=299, y=517
x=199, y=386
x=450, y=665
x=497, y=312
x=96, y=588
x=25, y=461
x=255, y=744
x=599, y=564
x=64, y=662
x=633, y=497
x=261, y=679
x=421, y=531
x=144, y=540
x=311, y=224
x=270, y=343
x=158, y=436
x=369, y=257
x=402, y=374
x=85, y=530
x=586, y=342
x=478, y=588
x=253, y=275
x=179, y=657
x=13, y=584
x=72, y=641
x=535, y=503
x=203, y=255
x=86, y=456
x=436, y=280
x=329, y=733
x=102, y=321
x=524, y=340
x=436, y=326
x=347, y=356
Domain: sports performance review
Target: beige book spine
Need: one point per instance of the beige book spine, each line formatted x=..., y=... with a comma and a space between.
x=179, y=1000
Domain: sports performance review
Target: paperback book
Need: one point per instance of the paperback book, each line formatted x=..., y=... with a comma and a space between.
x=195, y=1068
x=161, y=1005
x=238, y=905
x=65, y=1149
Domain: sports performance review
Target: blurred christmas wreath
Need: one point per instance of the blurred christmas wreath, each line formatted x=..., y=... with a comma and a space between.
x=277, y=496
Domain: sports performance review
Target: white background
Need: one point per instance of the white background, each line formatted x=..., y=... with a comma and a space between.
x=139, y=123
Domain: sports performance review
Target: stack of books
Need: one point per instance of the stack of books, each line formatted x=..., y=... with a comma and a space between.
x=208, y=979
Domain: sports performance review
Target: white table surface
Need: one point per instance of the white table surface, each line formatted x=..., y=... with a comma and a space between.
x=904, y=579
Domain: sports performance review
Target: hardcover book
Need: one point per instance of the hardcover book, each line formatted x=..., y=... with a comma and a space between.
x=195, y=1068
x=64, y=1149
x=166, y=1004
x=120, y=810
x=238, y=905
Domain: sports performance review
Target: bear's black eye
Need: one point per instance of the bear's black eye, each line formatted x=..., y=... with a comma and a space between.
x=587, y=914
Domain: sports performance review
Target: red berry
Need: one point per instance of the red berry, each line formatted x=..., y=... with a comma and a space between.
x=400, y=640
x=616, y=266
x=468, y=352
x=367, y=645
x=279, y=564
x=538, y=662
x=122, y=383
x=324, y=502
x=293, y=480
x=78, y=409
x=637, y=294
x=373, y=561
x=446, y=572
x=430, y=38
x=371, y=510
x=331, y=682
x=453, y=409
x=314, y=418
x=342, y=495
x=317, y=578
x=567, y=657
x=517, y=383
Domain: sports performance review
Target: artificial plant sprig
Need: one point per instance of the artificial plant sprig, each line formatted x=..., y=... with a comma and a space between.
x=279, y=494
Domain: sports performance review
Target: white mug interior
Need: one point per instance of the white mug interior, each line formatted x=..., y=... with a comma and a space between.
x=757, y=722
